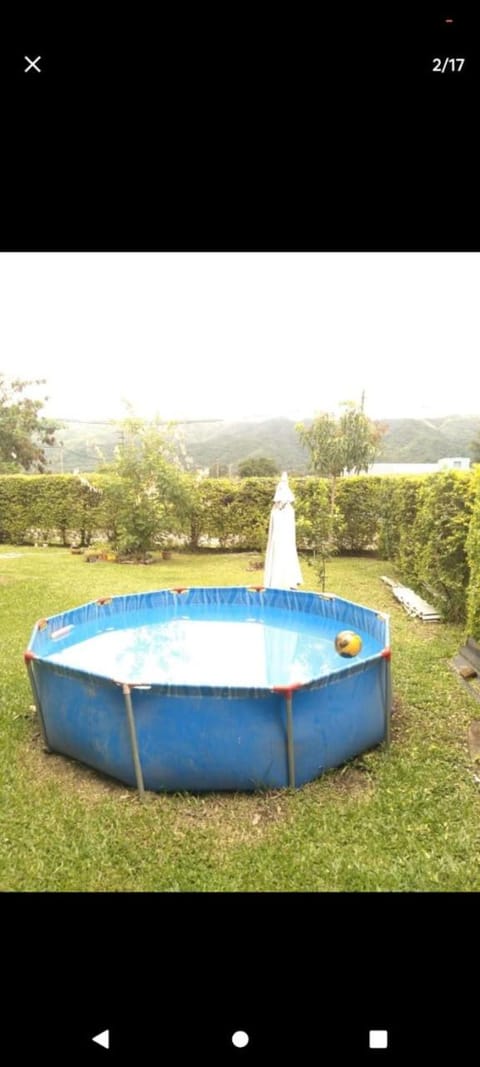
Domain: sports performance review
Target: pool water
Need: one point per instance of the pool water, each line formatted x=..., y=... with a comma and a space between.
x=213, y=645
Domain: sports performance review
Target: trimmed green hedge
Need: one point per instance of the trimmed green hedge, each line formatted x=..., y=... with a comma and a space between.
x=473, y=556
x=250, y=511
x=428, y=526
x=237, y=513
x=213, y=501
x=311, y=511
x=55, y=507
x=359, y=500
x=398, y=506
x=439, y=538
x=424, y=523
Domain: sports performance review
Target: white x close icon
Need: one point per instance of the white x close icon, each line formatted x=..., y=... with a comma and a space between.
x=33, y=63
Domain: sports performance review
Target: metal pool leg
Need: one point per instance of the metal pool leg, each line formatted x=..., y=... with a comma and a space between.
x=133, y=740
x=388, y=700
x=41, y=722
x=287, y=692
x=290, y=747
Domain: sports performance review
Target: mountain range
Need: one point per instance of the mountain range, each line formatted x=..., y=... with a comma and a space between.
x=221, y=445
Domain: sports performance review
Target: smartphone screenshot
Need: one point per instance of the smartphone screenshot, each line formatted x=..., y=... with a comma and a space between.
x=239, y=536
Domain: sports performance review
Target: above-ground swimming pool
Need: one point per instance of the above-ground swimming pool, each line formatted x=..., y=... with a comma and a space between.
x=211, y=688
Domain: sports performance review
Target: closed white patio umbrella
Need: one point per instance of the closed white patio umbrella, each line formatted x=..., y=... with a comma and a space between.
x=282, y=569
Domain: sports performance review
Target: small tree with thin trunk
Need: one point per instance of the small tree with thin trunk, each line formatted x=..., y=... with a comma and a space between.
x=338, y=445
x=344, y=445
x=154, y=492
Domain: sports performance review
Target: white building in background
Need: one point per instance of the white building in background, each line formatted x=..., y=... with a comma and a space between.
x=403, y=468
x=461, y=463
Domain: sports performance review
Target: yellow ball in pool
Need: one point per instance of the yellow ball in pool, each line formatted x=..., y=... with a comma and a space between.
x=348, y=644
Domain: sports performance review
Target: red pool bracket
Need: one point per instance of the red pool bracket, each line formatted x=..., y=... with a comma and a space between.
x=287, y=689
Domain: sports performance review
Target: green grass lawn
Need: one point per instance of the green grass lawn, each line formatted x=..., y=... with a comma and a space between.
x=406, y=819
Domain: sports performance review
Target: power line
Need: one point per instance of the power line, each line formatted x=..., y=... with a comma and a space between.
x=111, y=422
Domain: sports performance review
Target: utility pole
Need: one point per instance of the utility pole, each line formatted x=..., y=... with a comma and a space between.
x=62, y=445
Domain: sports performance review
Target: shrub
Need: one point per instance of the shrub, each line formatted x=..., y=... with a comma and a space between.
x=358, y=499
x=423, y=529
x=473, y=556
x=439, y=537
x=211, y=514
x=251, y=510
x=428, y=526
x=398, y=503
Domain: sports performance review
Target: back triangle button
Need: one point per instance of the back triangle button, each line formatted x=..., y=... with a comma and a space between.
x=103, y=1039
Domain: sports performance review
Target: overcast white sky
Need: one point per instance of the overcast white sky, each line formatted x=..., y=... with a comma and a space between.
x=243, y=334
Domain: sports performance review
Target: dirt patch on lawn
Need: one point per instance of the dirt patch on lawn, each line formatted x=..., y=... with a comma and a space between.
x=399, y=717
x=354, y=782
x=235, y=819
x=7, y=579
x=43, y=768
x=474, y=740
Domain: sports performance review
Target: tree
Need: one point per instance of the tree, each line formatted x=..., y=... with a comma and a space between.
x=338, y=446
x=343, y=445
x=154, y=495
x=257, y=467
x=362, y=439
x=319, y=526
x=23, y=432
